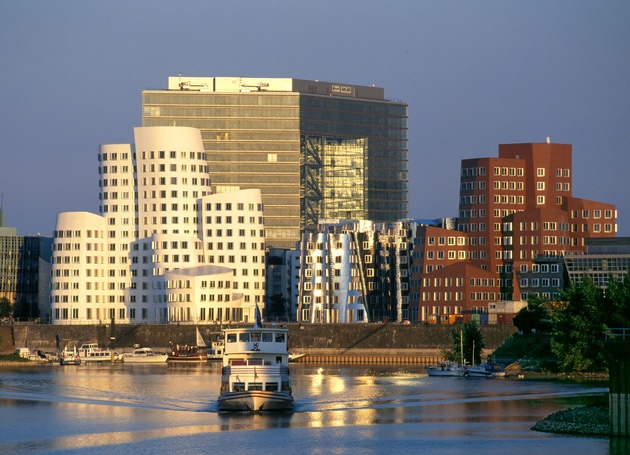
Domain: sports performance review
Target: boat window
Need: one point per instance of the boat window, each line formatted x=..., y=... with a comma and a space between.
x=238, y=387
x=285, y=386
x=267, y=337
x=279, y=337
x=278, y=359
x=244, y=337
x=237, y=362
x=231, y=337
x=271, y=386
x=255, y=362
x=255, y=336
x=255, y=386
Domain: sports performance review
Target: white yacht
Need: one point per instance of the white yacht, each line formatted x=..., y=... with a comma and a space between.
x=255, y=374
x=144, y=355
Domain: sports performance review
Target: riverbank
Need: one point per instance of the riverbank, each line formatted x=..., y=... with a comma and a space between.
x=583, y=420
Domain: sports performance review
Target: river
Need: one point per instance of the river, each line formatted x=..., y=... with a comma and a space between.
x=156, y=409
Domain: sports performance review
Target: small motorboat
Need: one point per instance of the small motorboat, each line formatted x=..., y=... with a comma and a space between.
x=445, y=369
x=144, y=355
x=486, y=370
x=69, y=357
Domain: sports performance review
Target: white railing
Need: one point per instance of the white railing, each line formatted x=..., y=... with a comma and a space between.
x=618, y=333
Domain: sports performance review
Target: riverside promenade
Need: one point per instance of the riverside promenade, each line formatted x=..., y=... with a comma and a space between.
x=325, y=343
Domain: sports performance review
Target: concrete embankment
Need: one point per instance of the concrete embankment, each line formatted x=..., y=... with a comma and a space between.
x=322, y=343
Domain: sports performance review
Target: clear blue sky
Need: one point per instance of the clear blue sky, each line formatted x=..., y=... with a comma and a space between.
x=475, y=74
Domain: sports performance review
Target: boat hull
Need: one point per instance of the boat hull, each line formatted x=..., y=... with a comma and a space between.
x=255, y=401
x=69, y=361
x=455, y=372
x=187, y=359
x=102, y=358
x=486, y=370
x=147, y=359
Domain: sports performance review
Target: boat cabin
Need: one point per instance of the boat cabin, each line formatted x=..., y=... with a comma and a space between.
x=255, y=359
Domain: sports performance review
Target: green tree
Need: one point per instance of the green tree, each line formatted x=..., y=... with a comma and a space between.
x=616, y=302
x=276, y=307
x=472, y=345
x=5, y=307
x=535, y=317
x=579, y=331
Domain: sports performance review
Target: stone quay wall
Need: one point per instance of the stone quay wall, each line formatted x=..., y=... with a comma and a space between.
x=619, y=384
x=314, y=340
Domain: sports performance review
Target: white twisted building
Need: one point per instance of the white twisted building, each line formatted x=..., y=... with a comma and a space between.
x=163, y=249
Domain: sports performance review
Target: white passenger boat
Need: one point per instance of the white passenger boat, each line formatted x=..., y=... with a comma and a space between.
x=255, y=374
x=445, y=369
x=92, y=353
x=144, y=355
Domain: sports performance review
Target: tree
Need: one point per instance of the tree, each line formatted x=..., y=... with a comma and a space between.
x=579, y=330
x=276, y=307
x=5, y=307
x=472, y=345
x=535, y=317
x=616, y=302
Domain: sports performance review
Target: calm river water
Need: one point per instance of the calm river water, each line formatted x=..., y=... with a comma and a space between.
x=151, y=409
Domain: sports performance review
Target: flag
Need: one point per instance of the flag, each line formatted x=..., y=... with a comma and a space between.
x=258, y=317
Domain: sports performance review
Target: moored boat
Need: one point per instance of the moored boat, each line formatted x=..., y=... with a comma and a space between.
x=445, y=369
x=294, y=357
x=255, y=374
x=185, y=353
x=69, y=357
x=189, y=353
x=144, y=355
x=92, y=353
x=486, y=370
x=216, y=350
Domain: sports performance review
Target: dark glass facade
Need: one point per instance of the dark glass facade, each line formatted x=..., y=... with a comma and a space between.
x=257, y=140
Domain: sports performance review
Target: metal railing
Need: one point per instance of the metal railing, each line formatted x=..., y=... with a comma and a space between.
x=618, y=333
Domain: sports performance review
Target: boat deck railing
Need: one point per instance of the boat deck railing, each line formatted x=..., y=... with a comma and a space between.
x=256, y=369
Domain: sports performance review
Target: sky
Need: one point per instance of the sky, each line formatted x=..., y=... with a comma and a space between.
x=474, y=74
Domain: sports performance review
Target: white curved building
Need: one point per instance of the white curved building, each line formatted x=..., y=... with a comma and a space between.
x=78, y=278
x=158, y=218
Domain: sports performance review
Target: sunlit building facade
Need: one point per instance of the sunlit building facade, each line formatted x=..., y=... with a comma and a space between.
x=163, y=248
x=520, y=205
x=316, y=150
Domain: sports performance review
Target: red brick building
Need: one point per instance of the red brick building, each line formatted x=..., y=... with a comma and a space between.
x=512, y=209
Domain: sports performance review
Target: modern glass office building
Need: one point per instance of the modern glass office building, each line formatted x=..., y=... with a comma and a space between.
x=316, y=150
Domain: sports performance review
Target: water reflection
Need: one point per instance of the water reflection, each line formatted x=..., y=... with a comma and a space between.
x=152, y=406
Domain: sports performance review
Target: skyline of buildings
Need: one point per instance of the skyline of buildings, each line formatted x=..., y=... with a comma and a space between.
x=184, y=204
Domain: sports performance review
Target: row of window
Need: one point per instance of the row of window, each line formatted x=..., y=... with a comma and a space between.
x=596, y=214
x=540, y=282
x=114, y=156
x=541, y=268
